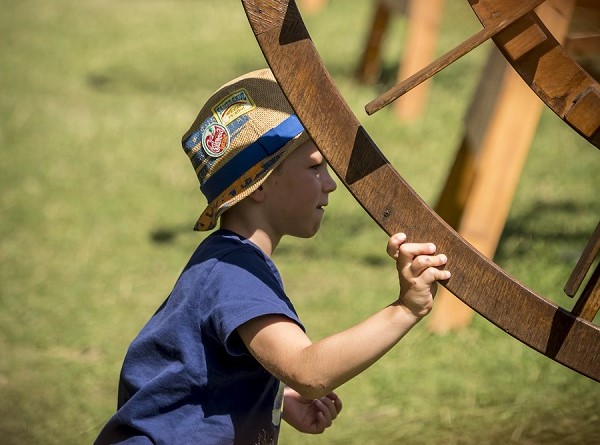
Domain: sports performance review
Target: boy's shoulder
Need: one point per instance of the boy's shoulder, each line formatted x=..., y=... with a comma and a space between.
x=222, y=242
x=225, y=257
x=226, y=246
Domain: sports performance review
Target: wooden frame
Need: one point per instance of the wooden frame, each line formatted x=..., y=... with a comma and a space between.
x=394, y=205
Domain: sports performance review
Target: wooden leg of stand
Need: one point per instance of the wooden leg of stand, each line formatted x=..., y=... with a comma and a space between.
x=311, y=6
x=500, y=157
x=423, y=29
x=459, y=184
x=496, y=143
x=368, y=68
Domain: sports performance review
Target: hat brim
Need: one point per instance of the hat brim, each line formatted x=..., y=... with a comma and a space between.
x=209, y=217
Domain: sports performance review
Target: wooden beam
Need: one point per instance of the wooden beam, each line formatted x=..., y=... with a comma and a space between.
x=588, y=304
x=450, y=57
x=590, y=252
x=424, y=19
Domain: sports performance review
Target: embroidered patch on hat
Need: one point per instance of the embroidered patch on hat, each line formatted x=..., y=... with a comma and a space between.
x=215, y=140
x=233, y=106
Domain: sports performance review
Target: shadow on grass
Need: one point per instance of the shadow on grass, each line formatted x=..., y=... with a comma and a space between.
x=558, y=223
x=168, y=235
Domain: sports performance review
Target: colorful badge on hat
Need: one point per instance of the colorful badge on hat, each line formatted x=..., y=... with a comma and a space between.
x=215, y=140
x=233, y=106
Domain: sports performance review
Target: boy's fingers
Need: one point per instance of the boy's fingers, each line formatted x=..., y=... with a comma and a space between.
x=394, y=244
x=325, y=412
x=336, y=401
x=422, y=262
x=330, y=407
x=433, y=274
x=441, y=275
x=419, y=257
x=411, y=250
x=321, y=423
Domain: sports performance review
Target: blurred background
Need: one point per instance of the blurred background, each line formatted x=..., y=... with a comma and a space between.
x=98, y=202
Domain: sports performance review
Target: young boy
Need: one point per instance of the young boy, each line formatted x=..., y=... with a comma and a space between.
x=226, y=351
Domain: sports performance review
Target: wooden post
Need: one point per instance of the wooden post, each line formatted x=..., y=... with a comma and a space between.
x=479, y=190
x=423, y=28
x=424, y=19
x=311, y=6
x=368, y=67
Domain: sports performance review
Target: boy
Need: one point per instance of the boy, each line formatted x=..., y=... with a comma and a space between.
x=216, y=362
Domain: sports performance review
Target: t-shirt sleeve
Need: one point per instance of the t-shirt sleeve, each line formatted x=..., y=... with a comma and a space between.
x=244, y=287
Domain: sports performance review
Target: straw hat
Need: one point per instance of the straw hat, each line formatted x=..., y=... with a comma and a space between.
x=241, y=134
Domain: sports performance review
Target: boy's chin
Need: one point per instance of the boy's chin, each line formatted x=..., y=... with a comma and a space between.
x=307, y=233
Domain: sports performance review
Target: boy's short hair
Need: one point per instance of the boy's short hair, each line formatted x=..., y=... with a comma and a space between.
x=241, y=134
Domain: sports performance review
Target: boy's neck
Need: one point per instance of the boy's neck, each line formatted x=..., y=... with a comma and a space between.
x=262, y=240
x=258, y=236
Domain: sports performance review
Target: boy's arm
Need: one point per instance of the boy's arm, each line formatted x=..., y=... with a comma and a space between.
x=315, y=369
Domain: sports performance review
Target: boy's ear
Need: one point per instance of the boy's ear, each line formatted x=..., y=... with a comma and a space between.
x=257, y=195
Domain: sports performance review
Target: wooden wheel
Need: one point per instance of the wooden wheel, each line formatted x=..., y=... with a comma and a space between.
x=545, y=65
x=566, y=337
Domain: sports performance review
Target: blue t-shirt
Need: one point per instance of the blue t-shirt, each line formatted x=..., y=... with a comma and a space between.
x=187, y=377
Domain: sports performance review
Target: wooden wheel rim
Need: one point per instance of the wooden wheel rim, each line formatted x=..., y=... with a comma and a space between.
x=541, y=60
x=395, y=206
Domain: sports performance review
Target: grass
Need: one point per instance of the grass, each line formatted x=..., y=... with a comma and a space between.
x=98, y=201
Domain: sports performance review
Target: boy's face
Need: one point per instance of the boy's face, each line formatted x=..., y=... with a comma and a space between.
x=297, y=192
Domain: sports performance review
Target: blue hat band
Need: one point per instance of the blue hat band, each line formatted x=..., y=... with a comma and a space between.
x=265, y=146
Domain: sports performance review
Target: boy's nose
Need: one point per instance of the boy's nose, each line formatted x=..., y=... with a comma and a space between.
x=329, y=184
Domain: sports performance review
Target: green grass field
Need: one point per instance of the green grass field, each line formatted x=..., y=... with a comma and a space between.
x=98, y=201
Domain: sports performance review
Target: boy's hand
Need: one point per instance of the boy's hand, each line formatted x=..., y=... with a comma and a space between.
x=310, y=416
x=418, y=271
